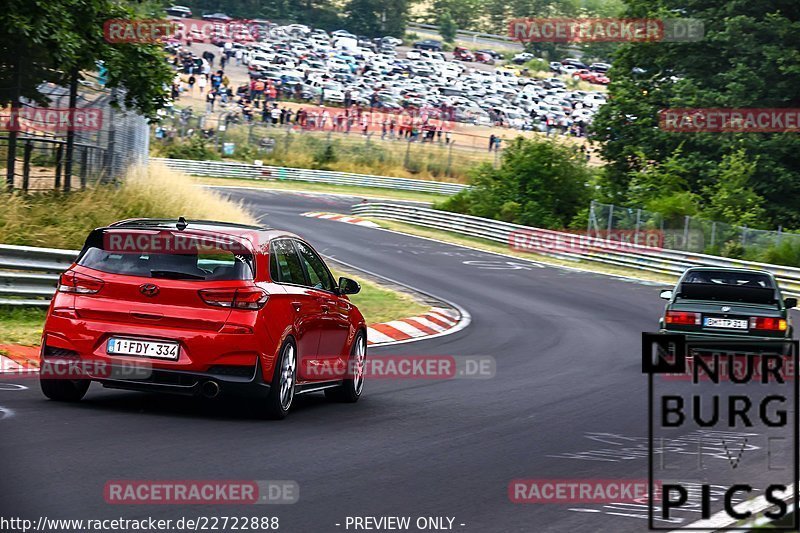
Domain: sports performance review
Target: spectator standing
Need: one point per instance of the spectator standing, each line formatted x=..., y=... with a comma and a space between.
x=202, y=81
x=324, y=117
x=210, y=97
x=192, y=81
x=238, y=55
x=216, y=80
x=491, y=141
x=258, y=91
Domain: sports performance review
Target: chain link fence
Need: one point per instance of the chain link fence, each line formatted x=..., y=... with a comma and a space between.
x=693, y=234
x=100, y=154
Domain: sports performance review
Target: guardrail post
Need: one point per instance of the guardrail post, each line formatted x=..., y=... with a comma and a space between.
x=610, y=219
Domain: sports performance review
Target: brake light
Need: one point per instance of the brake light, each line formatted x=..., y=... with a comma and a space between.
x=767, y=323
x=682, y=318
x=250, y=298
x=77, y=283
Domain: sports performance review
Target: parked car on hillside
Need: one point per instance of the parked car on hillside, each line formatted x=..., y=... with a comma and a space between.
x=428, y=44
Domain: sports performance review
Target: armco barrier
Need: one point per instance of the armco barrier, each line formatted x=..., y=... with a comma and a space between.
x=224, y=169
x=28, y=275
x=669, y=262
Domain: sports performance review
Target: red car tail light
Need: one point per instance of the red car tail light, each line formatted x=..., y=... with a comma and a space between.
x=77, y=283
x=682, y=318
x=250, y=298
x=767, y=323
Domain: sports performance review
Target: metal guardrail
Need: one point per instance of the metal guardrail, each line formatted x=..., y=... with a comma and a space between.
x=476, y=36
x=28, y=275
x=224, y=169
x=661, y=261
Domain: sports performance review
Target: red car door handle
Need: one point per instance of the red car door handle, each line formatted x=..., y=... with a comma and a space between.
x=297, y=306
x=325, y=308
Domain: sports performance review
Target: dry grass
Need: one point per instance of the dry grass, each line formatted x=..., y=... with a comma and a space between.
x=62, y=220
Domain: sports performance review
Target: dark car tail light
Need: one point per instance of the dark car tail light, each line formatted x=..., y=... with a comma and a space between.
x=767, y=323
x=250, y=298
x=682, y=318
x=77, y=283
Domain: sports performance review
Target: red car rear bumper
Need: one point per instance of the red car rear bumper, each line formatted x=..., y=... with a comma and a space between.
x=237, y=363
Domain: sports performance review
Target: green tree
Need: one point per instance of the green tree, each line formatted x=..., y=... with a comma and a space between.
x=376, y=18
x=447, y=27
x=747, y=59
x=539, y=183
x=731, y=199
x=465, y=13
x=46, y=40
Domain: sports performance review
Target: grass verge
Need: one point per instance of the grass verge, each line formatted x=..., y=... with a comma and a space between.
x=492, y=246
x=379, y=304
x=21, y=325
x=363, y=192
x=59, y=220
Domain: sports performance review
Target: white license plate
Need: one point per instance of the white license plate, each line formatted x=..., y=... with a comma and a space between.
x=727, y=323
x=159, y=350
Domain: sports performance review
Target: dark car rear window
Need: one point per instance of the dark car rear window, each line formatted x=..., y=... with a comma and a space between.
x=154, y=254
x=728, y=286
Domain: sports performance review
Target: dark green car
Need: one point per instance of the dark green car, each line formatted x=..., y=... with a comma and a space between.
x=730, y=303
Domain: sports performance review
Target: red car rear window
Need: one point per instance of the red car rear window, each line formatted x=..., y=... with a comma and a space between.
x=166, y=255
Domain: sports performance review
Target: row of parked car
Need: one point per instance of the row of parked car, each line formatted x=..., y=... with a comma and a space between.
x=339, y=68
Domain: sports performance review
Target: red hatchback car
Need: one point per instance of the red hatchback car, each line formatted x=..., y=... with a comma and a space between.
x=203, y=308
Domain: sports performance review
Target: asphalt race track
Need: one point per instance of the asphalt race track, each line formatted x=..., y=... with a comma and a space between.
x=568, y=381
